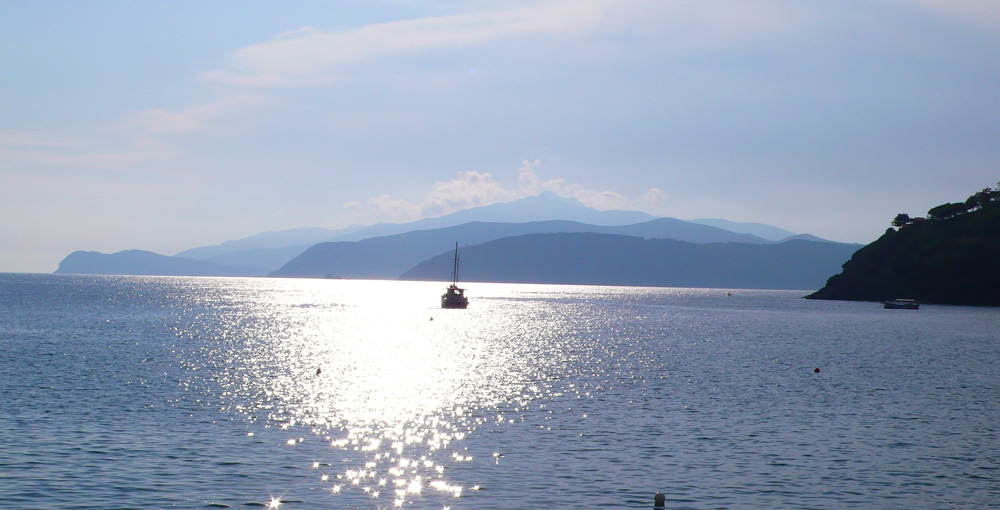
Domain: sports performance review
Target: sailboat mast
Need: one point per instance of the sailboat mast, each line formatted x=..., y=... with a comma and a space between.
x=454, y=273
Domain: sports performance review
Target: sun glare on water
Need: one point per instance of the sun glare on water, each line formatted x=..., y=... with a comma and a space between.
x=377, y=369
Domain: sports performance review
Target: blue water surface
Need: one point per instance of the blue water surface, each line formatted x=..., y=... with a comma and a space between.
x=156, y=392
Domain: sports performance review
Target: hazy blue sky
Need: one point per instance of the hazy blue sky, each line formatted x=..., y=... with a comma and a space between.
x=169, y=125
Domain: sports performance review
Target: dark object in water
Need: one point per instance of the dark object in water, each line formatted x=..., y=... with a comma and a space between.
x=454, y=297
x=901, y=304
x=659, y=501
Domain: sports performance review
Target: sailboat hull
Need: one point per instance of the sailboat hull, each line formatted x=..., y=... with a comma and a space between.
x=454, y=297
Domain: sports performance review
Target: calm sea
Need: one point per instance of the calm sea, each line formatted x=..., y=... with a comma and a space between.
x=136, y=392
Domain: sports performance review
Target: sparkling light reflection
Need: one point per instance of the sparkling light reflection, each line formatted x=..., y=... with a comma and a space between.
x=358, y=364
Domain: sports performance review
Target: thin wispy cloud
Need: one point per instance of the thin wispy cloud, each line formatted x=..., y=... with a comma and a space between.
x=136, y=139
x=310, y=56
x=20, y=149
x=199, y=118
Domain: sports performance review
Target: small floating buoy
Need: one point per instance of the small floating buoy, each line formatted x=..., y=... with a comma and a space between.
x=815, y=370
x=659, y=501
x=319, y=371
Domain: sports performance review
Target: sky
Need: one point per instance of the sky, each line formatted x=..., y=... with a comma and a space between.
x=169, y=125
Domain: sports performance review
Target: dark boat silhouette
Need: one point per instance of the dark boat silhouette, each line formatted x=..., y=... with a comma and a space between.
x=454, y=297
x=901, y=304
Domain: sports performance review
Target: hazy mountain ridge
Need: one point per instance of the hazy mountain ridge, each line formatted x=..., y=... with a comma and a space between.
x=769, y=232
x=357, y=252
x=141, y=262
x=274, y=249
x=544, y=207
x=608, y=259
x=391, y=256
x=266, y=248
x=268, y=259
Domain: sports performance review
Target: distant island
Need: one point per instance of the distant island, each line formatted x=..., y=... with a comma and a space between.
x=540, y=239
x=586, y=258
x=147, y=263
x=951, y=256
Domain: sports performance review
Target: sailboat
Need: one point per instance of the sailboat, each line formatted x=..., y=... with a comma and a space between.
x=454, y=297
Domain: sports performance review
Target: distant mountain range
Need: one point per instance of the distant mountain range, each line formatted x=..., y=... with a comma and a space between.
x=605, y=259
x=271, y=250
x=544, y=207
x=388, y=251
x=391, y=256
x=758, y=229
x=140, y=262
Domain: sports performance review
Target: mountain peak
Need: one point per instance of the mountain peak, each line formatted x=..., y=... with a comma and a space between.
x=548, y=206
x=549, y=196
x=545, y=206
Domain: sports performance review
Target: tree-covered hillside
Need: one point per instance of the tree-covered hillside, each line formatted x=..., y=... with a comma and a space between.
x=950, y=257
